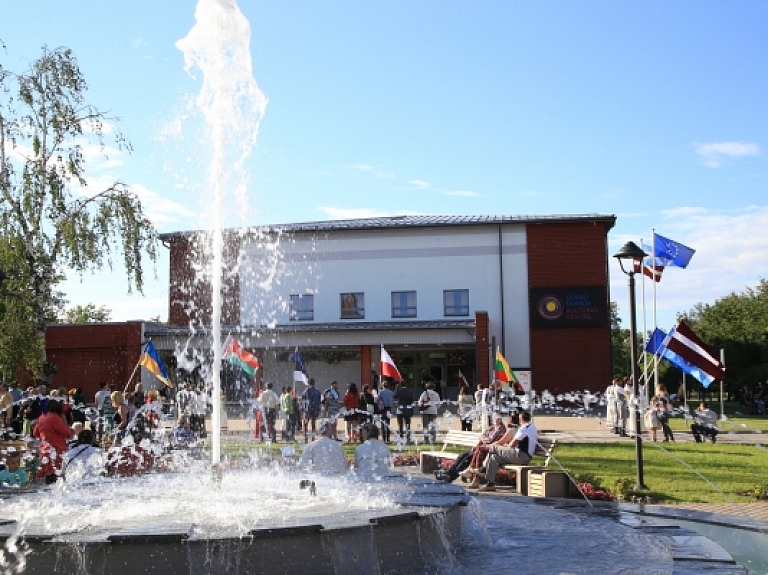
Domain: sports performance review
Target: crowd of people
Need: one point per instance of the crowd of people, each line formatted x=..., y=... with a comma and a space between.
x=53, y=435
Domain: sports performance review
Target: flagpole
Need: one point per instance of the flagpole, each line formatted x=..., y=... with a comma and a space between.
x=685, y=394
x=138, y=362
x=645, y=327
x=722, y=401
x=655, y=320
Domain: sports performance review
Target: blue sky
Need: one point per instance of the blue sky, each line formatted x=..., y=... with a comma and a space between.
x=654, y=111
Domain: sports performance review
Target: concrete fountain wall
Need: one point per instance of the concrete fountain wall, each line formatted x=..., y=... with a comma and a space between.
x=421, y=533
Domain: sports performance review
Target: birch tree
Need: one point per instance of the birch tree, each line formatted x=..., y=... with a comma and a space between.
x=51, y=220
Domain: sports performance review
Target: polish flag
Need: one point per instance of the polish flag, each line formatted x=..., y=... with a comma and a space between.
x=388, y=367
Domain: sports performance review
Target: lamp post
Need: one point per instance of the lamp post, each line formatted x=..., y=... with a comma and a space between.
x=630, y=251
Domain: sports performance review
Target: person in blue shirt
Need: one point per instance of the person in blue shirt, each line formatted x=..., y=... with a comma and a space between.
x=13, y=475
x=313, y=399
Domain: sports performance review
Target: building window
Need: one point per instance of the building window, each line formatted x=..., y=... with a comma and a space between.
x=403, y=304
x=353, y=305
x=456, y=302
x=302, y=307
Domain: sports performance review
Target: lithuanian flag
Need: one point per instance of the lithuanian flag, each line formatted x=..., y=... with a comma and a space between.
x=502, y=372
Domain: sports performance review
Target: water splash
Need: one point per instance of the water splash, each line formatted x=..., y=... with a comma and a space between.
x=233, y=105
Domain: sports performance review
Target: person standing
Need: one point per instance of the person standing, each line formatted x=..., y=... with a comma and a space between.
x=270, y=402
x=53, y=431
x=466, y=407
x=332, y=400
x=352, y=417
x=286, y=404
x=6, y=406
x=663, y=414
x=102, y=402
x=385, y=401
x=428, y=402
x=313, y=399
x=403, y=398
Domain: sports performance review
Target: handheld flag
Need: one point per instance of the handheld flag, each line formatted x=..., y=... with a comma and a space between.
x=502, y=371
x=671, y=253
x=388, y=367
x=462, y=379
x=300, y=368
x=235, y=354
x=151, y=360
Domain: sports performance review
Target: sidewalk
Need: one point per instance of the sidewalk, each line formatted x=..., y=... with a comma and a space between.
x=566, y=429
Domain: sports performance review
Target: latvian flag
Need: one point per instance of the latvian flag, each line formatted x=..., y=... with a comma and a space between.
x=653, y=272
x=683, y=342
x=388, y=367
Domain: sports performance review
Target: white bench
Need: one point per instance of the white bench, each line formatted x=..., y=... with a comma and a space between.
x=545, y=448
x=430, y=459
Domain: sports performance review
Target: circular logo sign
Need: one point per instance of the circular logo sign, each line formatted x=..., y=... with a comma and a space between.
x=550, y=307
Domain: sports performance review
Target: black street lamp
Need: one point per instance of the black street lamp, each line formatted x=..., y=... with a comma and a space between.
x=630, y=251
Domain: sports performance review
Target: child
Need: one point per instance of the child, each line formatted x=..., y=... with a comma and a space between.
x=13, y=475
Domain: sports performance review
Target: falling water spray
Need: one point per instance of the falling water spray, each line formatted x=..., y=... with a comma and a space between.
x=218, y=45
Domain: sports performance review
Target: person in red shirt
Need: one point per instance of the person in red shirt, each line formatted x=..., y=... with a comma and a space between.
x=352, y=417
x=53, y=431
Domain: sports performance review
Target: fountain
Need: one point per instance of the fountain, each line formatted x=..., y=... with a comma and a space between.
x=240, y=521
x=268, y=518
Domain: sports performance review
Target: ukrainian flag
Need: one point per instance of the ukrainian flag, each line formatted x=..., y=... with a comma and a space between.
x=151, y=360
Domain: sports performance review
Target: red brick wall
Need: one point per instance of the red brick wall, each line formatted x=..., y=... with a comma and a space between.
x=86, y=354
x=562, y=255
x=482, y=345
x=185, y=288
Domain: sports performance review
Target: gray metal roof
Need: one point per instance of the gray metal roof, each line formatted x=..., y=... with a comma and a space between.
x=416, y=222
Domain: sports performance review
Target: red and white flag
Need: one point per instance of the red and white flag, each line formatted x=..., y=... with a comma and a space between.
x=462, y=379
x=388, y=367
x=687, y=345
x=653, y=272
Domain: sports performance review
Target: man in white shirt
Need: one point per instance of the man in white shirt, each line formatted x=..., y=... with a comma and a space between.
x=324, y=455
x=270, y=402
x=518, y=452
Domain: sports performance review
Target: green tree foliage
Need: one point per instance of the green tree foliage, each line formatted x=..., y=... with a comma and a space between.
x=620, y=345
x=86, y=314
x=737, y=323
x=50, y=219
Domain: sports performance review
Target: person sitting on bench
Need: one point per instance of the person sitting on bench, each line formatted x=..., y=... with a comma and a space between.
x=706, y=423
x=517, y=452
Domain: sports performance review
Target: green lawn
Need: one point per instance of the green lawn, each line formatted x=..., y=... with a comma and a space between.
x=670, y=471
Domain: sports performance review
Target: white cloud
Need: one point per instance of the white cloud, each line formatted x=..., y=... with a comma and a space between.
x=419, y=184
x=355, y=213
x=714, y=153
x=462, y=194
x=373, y=170
x=730, y=256
x=139, y=42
